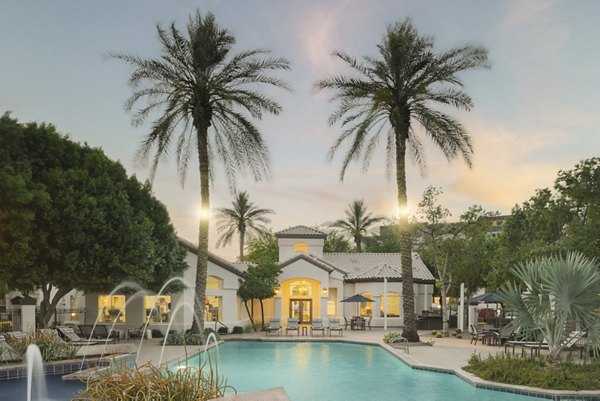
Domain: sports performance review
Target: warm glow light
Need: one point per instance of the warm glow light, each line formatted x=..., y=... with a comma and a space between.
x=203, y=214
x=276, y=291
x=402, y=211
x=324, y=290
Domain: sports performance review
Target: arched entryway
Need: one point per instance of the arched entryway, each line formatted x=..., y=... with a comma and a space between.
x=300, y=299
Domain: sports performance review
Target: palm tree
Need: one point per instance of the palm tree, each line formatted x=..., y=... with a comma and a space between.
x=244, y=218
x=555, y=291
x=204, y=98
x=357, y=222
x=392, y=96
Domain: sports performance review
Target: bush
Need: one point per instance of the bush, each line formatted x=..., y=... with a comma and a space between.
x=237, y=330
x=534, y=372
x=439, y=335
x=223, y=330
x=391, y=336
x=458, y=331
x=149, y=383
x=454, y=334
x=459, y=335
x=51, y=347
x=156, y=333
x=434, y=332
x=189, y=338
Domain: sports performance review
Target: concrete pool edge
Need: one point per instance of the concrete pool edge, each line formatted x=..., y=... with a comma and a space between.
x=590, y=395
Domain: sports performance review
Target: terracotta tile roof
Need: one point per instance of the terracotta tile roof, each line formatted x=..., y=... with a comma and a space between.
x=371, y=266
x=300, y=231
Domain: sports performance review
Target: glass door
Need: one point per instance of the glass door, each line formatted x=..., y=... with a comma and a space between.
x=301, y=309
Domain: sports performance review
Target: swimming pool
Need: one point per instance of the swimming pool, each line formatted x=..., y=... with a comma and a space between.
x=340, y=372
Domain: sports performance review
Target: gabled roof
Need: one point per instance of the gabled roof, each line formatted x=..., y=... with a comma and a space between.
x=312, y=260
x=300, y=232
x=363, y=266
x=190, y=247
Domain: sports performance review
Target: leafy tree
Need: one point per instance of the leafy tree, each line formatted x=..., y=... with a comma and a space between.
x=70, y=218
x=259, y=282
x=390, y=96
x=555, y=290
x=357, y=222
x=263, y=250
x=244, y=218
x=205, y=98
x=334, y=242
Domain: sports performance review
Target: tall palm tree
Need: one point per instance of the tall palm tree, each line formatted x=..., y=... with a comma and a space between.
x=392, y=96
x=357, y=222
x=244, y=218
x=204, y=98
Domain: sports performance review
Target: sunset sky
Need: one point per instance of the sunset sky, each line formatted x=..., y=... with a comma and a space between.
x=536, y=108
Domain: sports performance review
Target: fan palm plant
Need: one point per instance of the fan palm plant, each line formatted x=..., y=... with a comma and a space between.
x=553, y=291
x=391, y=97
x=357, y=222
x=204, y=98
x=244, y=218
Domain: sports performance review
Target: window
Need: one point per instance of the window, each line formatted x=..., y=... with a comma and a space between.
x=392, y=301
x=300, y=289
x=366, y=308
x=213, y=308
x=111, y=308
x=332, y=302
x=214, y=283
x=157, y=309
x=301, y=247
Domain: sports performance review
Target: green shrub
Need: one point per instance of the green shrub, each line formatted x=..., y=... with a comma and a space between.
x=189, y=338
x=249, y=328
x=237, y=330
x=156, y=333
x=434, y=332
x=51, y=347
x=459, y=335
x=439, y=335
x=390, y=336
x=458, y=331
x=223, y=330
x=534, y=372
x=454, y=334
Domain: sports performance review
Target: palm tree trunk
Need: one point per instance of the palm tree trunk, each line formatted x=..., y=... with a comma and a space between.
x=242, y=235
x=408, y=297
x=202, y=263
x=358, y=244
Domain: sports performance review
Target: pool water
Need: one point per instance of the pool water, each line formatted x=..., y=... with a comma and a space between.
x=339, y=372
x=58, y=389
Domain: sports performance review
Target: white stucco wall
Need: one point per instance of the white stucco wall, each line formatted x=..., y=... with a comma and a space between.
x=286, y=247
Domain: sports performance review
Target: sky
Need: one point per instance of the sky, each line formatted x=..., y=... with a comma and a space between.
x=536, y=108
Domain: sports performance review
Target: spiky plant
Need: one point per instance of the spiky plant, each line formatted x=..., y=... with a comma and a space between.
x=358, y=222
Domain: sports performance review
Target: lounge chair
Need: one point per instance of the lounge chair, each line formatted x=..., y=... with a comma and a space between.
x=69, y=335
x=100, y=332
x=317, y=325
x=292, y=324
x=334, y=325
x=7, y=353
x=274, y=326
x=568, y=343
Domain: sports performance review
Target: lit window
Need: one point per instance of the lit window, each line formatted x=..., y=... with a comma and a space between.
x=366, y=308
x=332, y=303
x=300, y=289
x=392, y=301
x=111, y=308
x=213, y=308
x=157, y=309
x=214, y=283
x=301, y=247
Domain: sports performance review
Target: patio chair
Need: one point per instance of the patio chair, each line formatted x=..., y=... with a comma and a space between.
x=500, y=337
x=7, y=353
x=317, y=325
x=69, y=335
x=357, y=323
x=346, y=323
x=136, y=332
x=100, y=332
x=477, y=335
x=292, y=324
x=334, y=325
x=274, y=326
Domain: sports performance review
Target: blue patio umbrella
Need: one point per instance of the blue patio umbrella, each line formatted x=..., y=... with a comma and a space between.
x=357, y=298
x=486, y=298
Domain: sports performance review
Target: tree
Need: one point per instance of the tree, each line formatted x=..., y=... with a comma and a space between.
x=391, y=96
x=244, y=218
x=259, y=282
x=357, y=222
x=443, y=244
x=70, y=218
x=555, y=290
x=263, y=250
x=205, y=98
x=335, y=242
